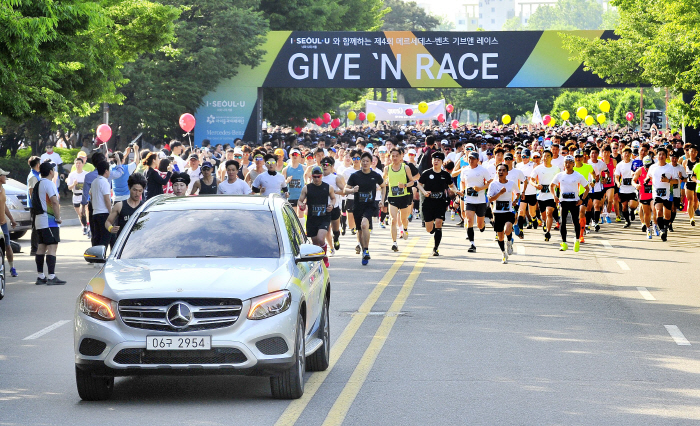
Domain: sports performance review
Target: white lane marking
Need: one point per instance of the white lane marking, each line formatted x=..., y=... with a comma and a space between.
x=520, y=249
x=675, y=332
x=606, y=244
x=623, y=265
x=46, y=330
x=645, y=293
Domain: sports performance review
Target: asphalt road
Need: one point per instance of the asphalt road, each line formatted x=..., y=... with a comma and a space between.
x=609, y=335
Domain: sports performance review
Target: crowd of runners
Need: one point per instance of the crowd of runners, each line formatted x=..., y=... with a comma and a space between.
x=563, y=180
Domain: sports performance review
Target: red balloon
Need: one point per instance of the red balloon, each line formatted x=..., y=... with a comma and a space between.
x=362, y=116
x=187, y=122
x=455, y=124
x=420, y=122
x=298, y=129
x=546, y=119
x=409, y=112
x=450, y=108
x=326, y=118
x=104, y=132
x=441, y=118
x=629, y=116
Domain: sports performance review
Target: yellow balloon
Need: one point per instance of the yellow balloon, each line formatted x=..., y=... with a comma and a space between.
x=352, y=115
x=565, y=115
x=601, y=118
x=371, y=116
x=505, y=119
x=589, y=120
x=604, y=106
x=552, y=122
x=423, y=107
x=581, y=113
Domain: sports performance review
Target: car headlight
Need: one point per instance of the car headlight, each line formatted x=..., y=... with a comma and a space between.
x=13, y=203
x=269, y=305
x=98, y=307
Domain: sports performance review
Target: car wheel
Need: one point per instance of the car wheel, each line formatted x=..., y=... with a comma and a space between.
x=290, y=383
x=91, y=388
x=319, y=360
x=17, y=235
x=2, y=273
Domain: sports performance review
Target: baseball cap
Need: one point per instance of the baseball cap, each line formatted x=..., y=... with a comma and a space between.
x=316, y=171
x=194, y=156
x=180, y=177
x=445, y=142
x=4, y=173
x=207, y=164
x=369, y=145
x=536, y=154
x=569, y=158
x=674, y=153
x=382, y=149
x=46, y=167
x=238, y=151
x=474, y=155
x=279, y=151
x=647, y=161
x=411, y=151
x=438, y=154
x=295, y=152
x=489, y=152
x=526, y=153
x=82, y=154
x=508, y=157
x=578, y=153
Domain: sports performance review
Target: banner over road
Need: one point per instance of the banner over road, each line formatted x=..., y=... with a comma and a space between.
x=391, y=59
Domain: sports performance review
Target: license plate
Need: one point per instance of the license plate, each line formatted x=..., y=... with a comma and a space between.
x=180, y=343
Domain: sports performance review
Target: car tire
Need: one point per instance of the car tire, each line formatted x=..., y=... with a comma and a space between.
x=17, y=235
x=91, y=388
x=290, y=384
x=3, y=284
x=319, y=360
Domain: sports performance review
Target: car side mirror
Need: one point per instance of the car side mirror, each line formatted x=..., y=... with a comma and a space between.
x=96, y=254
x=310, y=253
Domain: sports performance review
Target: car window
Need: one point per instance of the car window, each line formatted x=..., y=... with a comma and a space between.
x=290, y=230
x=202, y=233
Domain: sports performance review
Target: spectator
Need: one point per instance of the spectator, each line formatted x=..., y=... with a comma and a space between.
x=48, y=219
x=32, y=179
x=155, y=181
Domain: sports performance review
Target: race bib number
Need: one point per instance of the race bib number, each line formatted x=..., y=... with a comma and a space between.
x=78, y=187
x=472, y=193
x=647, y=188
x=660, y=192
x=295, y=183
x=502, y=205
x=545, y=189
x=568, y=195
x=627, y=181
x=318, y=210
x=436, y=195
x=365, y=197
x=396, y=191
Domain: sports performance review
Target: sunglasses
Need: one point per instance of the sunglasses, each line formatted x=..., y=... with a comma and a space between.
x=296, y=155
x=259, y=159
x=355, y=158
x=316, y=176
x=238, y=156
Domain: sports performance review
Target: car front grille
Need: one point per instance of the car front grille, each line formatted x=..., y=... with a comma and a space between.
x=207, y=313
x=23, y=199
x=137, y=356
x=272, y=346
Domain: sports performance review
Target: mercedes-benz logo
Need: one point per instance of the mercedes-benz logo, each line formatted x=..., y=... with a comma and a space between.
x=179, y=315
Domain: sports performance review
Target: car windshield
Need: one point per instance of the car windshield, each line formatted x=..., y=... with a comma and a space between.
x=202, y=233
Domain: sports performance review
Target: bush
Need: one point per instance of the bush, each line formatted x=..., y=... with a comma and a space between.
x=19, y=169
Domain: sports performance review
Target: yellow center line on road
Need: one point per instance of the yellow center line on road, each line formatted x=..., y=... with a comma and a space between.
x=342, y=405
x=295, y=408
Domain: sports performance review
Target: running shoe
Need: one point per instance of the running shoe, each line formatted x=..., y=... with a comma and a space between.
x=435, y=252
x=40, y=281
x=521, y=235
x=55, y=281
x=644, y=228
x=353, y=231
x=401, y=234
x=85, y=230
x=664, y=235
x=358, y=249
x=381, y=224
x=657, y=230
x=404, y=234
x=582, y=240
x=516, y=229
x=336, y=244
x=627, y=225
x=535, y=223
x=509, y=245
x=13, y=272
x=597, y=227
x=452, y=215
x=557, y=226
x=618, y=219
x=564, y=247
x=410, y=217
x=670, y=227
x=326, y=262
x=461, y=223
x=577, y=246
x=547, y=236
x=472, y=249
x=539, y=222
x=692, y=222
x=529, y=225
x=505, y=257
x=607, y=219
x=649, y=233
x=365, y=257
x=395, y=247
x=332, y=251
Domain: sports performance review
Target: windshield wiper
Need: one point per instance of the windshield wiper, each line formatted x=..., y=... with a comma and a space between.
x=198, y=256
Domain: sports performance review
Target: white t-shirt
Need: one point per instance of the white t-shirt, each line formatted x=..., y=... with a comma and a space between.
x=475, y=177
x=270, y=184
x=678, y=173
x=181, y=164
x=238, y=187
x=346, y=174
x=492, y=170
x=558, y=162
x=599, y=168
x=544, y=176
x=54, y=157
x=624, y=170
x=504, y=201
x=47, y=189
x=660, y=189
x=195, y=175
x=527, y=171
x=517, y=177
x=569, y=185
x=78, y=190
x=99, y=188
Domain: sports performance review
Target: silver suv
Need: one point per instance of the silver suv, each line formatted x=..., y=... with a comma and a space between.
x=205, y=285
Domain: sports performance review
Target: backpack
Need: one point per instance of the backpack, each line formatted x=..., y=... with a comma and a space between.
x=36, y=201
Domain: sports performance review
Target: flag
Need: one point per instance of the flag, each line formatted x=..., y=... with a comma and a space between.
x=536, y=116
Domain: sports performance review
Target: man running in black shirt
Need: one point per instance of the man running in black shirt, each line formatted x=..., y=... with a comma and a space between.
x=434, y=185
x=122, y=210
x=363, y=184
x=318, y=219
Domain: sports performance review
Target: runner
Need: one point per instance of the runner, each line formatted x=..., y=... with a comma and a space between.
x=586, y=206
x=501, y=192
x=678, y=175
x=608, y=181
x=48, y=219
x=233, y=185
x=661, y=177
x=399, y=179
x=623, y=176
x=690, y=186
x=75, y=181
x=122, y=210
x=316, y=195
x=598, y=192
x=364, y=183
x=645, y=195
x=475, y=180
x=270, y=182
x=541, y=179
x=569, y=183
x=294, y=176
x=181, y=182
x=208, y=184
x=350, y=199
x=434, y=185
x=337, y=184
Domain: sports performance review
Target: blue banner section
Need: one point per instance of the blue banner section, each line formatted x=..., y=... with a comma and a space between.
x=224, y=114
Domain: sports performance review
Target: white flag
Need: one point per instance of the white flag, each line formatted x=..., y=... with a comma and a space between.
x=536, y=116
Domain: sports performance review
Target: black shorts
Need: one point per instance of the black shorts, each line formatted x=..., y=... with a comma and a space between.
x=76, y=205
x=691, y=185
x=314, y=224
x=667, y=203
x=617, y=189
x=433, y=211
x=48, y=236
x=364, y=210
x=625, y=197
x=584, y=201
x=293, y=203
x=479, y=209
x=596, y=195
x=335, y=213
x=645, y=202
x=349, y=204
x=531, y=200
x=677, y=202
x=500, y=220
x=401, y=202
x=546, y=203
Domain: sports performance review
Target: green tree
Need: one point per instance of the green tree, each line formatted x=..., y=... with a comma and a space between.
x=408, y=16
x=658, y=46
x=621, y=101
x=566, y=15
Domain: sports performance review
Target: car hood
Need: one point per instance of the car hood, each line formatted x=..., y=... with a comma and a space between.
x=236, y=278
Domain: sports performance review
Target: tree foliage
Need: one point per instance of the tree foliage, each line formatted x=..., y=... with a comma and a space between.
x=408, y=16
x=659, y=45
x=621, y=101
x=59, y=58
x=567, y=15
